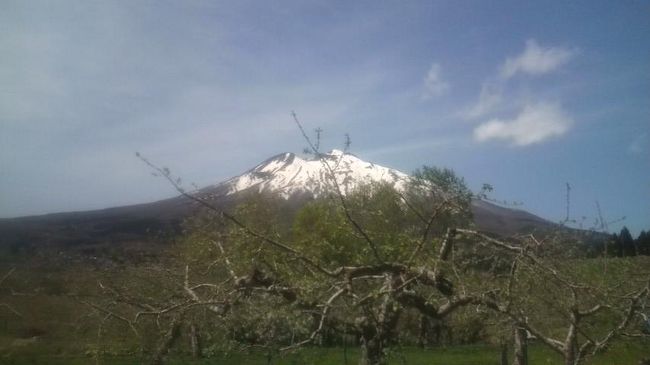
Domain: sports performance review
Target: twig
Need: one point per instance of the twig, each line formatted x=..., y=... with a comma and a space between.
x=339, y=193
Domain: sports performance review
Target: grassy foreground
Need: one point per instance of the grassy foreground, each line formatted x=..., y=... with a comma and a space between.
x=628, y=353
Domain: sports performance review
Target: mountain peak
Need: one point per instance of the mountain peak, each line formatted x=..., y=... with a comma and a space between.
x=336, y=153
x=289, y=174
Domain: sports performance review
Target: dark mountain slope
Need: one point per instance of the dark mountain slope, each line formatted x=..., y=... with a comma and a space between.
x=287, y=174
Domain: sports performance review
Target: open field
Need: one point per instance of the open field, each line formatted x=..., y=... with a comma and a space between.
x=621, y=354
x=56, y=329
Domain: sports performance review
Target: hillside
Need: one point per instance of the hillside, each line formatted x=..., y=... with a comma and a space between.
x=294, y=178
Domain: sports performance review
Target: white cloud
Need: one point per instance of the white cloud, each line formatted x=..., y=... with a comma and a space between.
x=434, y=85
x=535, y=124
x=536, y=60
x=490, y=97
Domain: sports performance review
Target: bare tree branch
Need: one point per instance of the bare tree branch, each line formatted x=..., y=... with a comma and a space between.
x=338, y=192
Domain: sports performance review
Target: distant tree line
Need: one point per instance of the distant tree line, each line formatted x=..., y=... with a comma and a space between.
x=624, y=245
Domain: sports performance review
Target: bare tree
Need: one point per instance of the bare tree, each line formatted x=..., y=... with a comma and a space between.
x=362, y=292
x=540, y=290
x=378, y=253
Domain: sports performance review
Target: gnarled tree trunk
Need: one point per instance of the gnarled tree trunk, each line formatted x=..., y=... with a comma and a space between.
x=166, y=342
x=372, y=350
x=520, y=346
x=378, y=331
x=195, y=341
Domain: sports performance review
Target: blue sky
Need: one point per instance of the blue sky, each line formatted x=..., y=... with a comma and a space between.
x=525, y=96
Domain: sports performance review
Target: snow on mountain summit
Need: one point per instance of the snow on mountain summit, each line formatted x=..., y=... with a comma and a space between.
x=288, y=174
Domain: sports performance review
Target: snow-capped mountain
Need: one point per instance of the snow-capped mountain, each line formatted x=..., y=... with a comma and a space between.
x=289, y=174
x=286, y=173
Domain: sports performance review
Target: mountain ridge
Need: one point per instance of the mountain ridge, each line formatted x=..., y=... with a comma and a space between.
x=289, y=175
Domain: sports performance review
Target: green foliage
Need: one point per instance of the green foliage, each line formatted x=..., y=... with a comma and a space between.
x=444, y=184
x=322, y=229
x=400, y=227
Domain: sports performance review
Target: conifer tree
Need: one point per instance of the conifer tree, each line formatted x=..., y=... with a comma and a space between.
x=643, y=243
x=626, y=243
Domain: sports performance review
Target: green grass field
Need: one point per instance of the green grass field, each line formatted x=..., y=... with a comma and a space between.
x=54, y=329
x=628, y=353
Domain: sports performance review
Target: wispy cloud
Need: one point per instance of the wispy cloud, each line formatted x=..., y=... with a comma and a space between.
x=536, y=60
x=490, y=97
x=536, y=123
x=639, y=145
x=533, y=60
x=434, y=85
